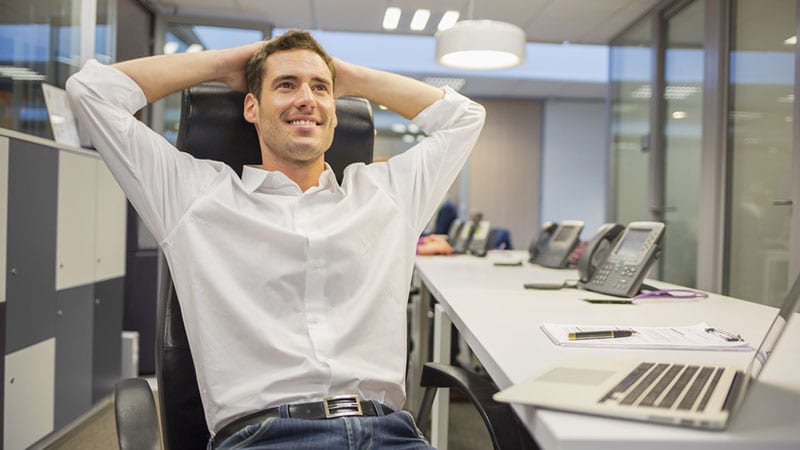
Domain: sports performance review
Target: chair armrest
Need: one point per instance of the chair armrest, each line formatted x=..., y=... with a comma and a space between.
x=136, y=415
x=505, y=430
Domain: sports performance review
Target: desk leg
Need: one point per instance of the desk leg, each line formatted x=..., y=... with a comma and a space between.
x=441, y=353
x=420, y=320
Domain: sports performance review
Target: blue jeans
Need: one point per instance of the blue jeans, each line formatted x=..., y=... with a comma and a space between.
x=395, y=431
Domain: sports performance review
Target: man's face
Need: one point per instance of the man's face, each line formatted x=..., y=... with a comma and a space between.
x=296, y=114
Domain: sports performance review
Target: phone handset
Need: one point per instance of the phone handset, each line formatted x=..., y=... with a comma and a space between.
x=540, y=240
x=629, y=261
x=597, y=249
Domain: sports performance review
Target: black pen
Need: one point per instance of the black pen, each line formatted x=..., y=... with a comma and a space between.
x=607, y=334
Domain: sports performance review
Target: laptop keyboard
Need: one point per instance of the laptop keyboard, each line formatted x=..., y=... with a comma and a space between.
x=670, y=386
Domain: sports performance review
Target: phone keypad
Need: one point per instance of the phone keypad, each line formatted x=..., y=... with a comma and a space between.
x=624, y=275
x=602, y=273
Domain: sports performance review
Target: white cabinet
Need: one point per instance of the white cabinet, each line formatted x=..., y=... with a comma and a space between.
x=110, y=226
x=3, y=213
x=29, y=394
x=75, y=232
x=90, y=237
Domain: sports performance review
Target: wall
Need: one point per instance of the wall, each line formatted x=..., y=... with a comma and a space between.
x=575, y=163
x=61, y=320
x=504, y=168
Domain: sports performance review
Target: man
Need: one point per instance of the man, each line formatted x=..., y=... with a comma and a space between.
x=293, y=287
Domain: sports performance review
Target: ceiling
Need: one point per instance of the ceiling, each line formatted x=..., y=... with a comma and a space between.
x=546, y=21
x=576, y=21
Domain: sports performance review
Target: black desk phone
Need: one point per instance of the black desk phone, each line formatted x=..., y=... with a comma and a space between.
x=464, y=236
x=462, y=233
x=554, y=243
x=480, y=238
x=454, y=231
x=616, y=261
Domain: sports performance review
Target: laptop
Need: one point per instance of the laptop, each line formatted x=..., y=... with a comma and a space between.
x=691, y=395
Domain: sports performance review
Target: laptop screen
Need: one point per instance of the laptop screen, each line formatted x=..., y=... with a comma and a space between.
x=775, y=330
x=770, y=339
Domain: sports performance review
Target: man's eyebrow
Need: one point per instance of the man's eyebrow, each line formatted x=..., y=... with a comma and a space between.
x=294, y=78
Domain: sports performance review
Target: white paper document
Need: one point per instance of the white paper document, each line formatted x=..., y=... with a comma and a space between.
x=701, y=336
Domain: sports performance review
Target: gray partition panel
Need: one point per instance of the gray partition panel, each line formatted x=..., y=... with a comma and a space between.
x=31, y=252
x=74, y=323
x=107, y=350
x=2, y=362
x=141, y=304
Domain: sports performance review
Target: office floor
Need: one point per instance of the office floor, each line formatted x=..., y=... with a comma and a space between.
x=99, y=432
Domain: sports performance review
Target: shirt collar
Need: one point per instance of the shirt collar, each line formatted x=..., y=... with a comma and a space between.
x=275, y=182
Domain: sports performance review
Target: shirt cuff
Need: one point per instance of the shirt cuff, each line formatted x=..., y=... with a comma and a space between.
x=442, y=113
x=113, y=85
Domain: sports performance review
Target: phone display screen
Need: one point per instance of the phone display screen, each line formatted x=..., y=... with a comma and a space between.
x=631, y=246
x=563, y=233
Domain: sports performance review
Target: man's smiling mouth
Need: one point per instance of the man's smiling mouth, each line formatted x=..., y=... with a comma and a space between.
x=303, y=123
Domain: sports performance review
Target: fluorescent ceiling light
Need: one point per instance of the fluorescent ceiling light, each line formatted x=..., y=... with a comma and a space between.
x=170, y=47
x=420, y=19
x=194, y=48
x=448, y=20
x=790, y=40
x=679, y=115
x=398, y=127
x=481, y=45
x=391, y=18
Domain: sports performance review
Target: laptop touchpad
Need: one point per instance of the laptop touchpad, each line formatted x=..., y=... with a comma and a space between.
x=573, y=375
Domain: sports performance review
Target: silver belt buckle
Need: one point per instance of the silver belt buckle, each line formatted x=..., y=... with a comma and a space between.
x=342, y=405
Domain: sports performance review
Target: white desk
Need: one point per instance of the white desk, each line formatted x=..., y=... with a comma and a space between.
x=499, y=319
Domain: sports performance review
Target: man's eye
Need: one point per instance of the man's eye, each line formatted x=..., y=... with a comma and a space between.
x=285, y=85
x=321, y=87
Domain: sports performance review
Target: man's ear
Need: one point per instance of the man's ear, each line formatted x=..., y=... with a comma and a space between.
x=250, y=112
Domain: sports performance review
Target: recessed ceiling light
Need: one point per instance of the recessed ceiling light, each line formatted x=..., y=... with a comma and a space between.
x=449, y=18
x=391, y=18
x=420, y=19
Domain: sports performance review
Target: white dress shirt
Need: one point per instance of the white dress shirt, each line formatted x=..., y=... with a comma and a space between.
x=287, y=296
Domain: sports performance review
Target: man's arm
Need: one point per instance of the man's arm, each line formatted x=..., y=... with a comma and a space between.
x=403, y=95
x=161, y=182
x=161, y=75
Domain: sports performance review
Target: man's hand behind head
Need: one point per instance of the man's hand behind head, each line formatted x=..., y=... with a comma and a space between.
x=234, y=64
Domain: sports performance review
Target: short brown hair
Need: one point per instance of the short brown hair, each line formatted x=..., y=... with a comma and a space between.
x=291, y=40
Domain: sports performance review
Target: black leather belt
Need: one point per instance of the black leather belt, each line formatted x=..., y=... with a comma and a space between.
x=329, y=408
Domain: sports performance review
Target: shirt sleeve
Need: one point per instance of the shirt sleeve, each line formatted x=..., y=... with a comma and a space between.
x=160, y=181
x=419, y=178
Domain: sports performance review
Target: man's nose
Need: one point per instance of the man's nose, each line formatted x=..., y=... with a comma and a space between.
x=305, y=97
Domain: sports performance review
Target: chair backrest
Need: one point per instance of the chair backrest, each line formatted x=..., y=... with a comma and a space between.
x=212, y=127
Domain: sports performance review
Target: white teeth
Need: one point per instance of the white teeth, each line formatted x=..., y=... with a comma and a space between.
x=302, y=122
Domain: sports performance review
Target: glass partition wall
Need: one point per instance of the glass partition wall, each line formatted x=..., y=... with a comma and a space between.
x=712, y=151
x=630, y=90
x=683, y=114
x=761, y=122
x=42, y=41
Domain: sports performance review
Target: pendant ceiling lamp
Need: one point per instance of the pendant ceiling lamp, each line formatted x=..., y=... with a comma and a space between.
x=480, y=45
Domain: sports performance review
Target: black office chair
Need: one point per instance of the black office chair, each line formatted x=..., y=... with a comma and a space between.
x=212, y=125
